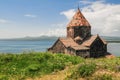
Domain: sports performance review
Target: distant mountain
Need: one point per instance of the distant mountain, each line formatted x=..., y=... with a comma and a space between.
x=34, y=38
x=111, y=38
x=107, y=38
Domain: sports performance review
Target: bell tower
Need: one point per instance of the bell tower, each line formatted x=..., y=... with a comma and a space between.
x=78, y=26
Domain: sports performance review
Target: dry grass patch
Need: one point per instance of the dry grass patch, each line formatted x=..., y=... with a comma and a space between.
x=60, y=75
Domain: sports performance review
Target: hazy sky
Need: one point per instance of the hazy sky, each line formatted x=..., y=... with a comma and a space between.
x=20, y=18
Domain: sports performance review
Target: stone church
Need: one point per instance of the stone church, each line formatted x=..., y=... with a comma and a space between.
x=79, y=40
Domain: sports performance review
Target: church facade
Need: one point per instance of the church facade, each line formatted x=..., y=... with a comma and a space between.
x=79, y=40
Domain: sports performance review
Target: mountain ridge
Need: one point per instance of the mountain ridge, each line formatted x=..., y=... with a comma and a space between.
x=107, y=38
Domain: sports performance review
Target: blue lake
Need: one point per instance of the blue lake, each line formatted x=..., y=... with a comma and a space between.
x=41, y=46
x=20, y=46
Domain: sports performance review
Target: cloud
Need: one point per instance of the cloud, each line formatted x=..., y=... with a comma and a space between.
x=68, y=14
x=30, y=15
x=103, y=17
x=115, y=30
x=84, y=2
x=56, y=30
x=3, y=21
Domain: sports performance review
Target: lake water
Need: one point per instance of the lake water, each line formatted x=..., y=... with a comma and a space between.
x=41, y=46
x=20, y=46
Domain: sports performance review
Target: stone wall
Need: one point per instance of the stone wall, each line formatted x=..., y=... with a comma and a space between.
x=58, y=47
x=81, y=31
x=83, y=53
x=98, y=49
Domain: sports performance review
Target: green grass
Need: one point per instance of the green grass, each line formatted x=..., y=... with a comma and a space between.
x=103, y=77
x=97, y=69
x=22, y=66
x=37, y=64
x=83, y=71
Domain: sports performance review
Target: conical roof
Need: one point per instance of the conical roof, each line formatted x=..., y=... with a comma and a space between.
x=78, y=20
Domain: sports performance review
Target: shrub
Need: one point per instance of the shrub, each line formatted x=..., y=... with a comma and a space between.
x=33, y=67
x=86, y=70
x=83, y=70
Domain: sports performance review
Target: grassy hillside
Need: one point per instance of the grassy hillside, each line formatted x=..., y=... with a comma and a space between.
x=22, y=66
x=43, y=66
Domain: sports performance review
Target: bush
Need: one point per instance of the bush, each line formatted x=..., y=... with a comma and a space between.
x=33, y=67
x=86, y=70
x=83, y=70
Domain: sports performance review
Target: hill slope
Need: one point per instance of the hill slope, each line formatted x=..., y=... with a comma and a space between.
x=45, y=66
